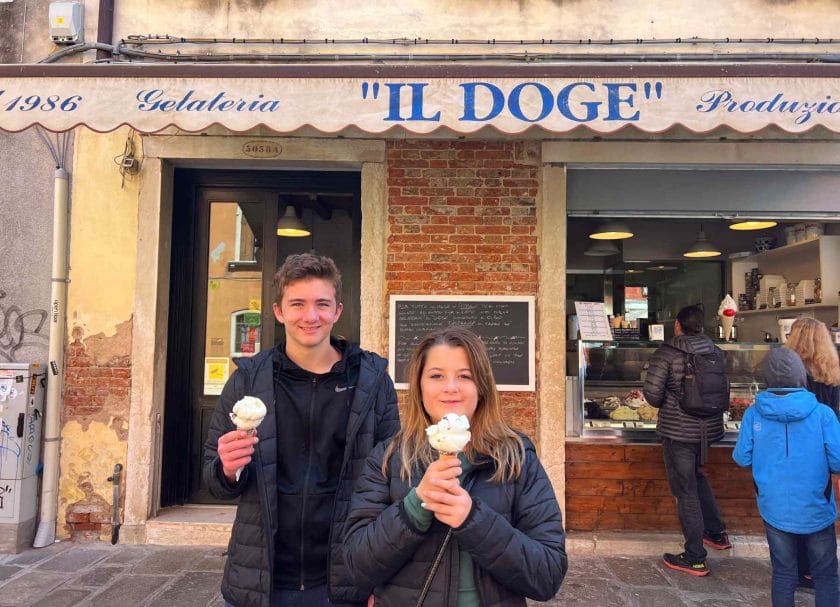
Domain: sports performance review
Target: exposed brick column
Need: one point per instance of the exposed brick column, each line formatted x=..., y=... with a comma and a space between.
x=463, y=221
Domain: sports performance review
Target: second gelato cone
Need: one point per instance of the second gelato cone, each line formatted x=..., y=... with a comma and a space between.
x=450, y=435
x=727, y=322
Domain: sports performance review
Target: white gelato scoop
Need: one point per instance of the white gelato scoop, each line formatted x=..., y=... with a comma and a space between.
x=727, y=303
x=248, y=413
x=451, y=434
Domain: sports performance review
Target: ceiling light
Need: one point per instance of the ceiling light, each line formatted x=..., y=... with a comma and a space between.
x=611, y=230
x=702, y=248
x=752, y=224
x=602, y=249
x=290, y=226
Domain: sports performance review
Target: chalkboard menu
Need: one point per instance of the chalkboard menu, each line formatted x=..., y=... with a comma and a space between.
x=506, y=325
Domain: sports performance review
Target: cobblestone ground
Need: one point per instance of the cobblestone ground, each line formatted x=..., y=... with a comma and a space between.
x=102, y=575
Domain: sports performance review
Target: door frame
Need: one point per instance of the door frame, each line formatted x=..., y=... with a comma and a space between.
x=162, y=154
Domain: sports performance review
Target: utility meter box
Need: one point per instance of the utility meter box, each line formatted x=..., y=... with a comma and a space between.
x=22, y=389
x=66, y=23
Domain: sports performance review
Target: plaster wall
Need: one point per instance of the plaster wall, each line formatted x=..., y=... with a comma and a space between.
x=103, y=245
x=26, y=208
x=479, y=20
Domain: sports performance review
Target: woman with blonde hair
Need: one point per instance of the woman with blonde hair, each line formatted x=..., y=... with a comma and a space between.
x=811, y=339
x=482, y=528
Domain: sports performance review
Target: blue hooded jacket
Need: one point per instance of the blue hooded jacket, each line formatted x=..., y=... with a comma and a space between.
x=793, y=445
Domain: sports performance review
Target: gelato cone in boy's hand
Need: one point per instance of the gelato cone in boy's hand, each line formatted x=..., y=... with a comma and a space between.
x=727, y=311
x=450, y=435
x=248, y=413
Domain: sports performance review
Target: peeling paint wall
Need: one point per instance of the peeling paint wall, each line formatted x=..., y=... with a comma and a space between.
x=103, y=245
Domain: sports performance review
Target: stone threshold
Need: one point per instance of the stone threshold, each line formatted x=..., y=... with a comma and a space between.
x=205, y=525
x=640, y=543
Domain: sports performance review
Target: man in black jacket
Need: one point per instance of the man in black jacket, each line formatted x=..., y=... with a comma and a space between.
x=682, y=435
x=329, y=403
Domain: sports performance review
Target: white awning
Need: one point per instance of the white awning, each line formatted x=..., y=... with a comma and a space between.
x=604, y=98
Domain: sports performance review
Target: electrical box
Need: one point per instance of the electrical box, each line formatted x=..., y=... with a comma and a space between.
x=66, y=22
x=22, y=390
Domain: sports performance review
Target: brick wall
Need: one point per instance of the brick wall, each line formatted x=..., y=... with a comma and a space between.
x=614, y=487
x=91, y=387
x=463, y=221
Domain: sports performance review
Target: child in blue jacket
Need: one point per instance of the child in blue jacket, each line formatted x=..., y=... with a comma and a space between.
x=793, y=446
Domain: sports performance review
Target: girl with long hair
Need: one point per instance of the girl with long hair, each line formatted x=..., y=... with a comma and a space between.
x=483, y=528
x=811, y=339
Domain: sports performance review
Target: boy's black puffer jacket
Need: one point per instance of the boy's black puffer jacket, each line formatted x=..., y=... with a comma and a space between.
x=247, y=580
x=514, y=533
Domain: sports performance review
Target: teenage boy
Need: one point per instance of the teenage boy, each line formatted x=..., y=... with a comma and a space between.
x=684, y=439
x=793, y=445
x=329, y=403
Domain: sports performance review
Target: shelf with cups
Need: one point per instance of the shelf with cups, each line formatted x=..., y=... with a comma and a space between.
x=785, y=310
x=812, y=267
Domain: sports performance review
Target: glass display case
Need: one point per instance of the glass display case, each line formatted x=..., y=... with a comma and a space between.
x=604, y=397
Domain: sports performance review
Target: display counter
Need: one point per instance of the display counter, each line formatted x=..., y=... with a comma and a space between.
x=604, y=400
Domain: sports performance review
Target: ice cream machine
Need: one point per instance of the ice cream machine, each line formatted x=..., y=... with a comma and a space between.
x=22, y=388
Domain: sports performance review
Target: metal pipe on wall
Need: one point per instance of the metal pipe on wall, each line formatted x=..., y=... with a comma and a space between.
x=45, y=534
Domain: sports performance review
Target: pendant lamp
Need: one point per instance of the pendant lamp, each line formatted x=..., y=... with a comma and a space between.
x=702, y=248
x=290, y=226
x=611, y=230
x=602, y=248
x=752, y=224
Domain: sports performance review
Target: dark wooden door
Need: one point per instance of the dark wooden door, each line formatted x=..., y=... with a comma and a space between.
x=225, y=251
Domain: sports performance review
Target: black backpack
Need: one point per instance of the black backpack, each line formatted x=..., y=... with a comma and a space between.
x=705, y=388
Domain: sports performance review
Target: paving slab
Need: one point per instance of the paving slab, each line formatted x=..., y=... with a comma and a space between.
x=193, y=589
x=130, y=590
x=64, y=598
x=211, y=562
x=128, y=553
x=7, y=571
x=169, y=560
x=73, y=560
x=97, y=577
x=36, y=555
x=26, y=588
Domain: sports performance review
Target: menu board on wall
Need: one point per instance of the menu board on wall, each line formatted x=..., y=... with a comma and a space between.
x=505, y=324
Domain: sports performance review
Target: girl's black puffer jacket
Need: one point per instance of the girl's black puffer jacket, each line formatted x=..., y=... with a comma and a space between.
x=514, y=534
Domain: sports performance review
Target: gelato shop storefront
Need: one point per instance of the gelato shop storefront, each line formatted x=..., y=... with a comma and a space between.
x=423, y=180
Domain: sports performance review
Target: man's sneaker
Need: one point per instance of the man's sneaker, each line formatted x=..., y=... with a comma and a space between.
x=718, y=541
x=680, y=562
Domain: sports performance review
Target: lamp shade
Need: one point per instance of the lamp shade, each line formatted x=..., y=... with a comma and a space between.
x=602, y=249
x=611, y=230
x=702, y=248
x=752, y=224
x=290, y=226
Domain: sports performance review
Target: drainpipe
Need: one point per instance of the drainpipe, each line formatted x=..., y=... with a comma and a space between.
x=45, y=535
x=105, y=27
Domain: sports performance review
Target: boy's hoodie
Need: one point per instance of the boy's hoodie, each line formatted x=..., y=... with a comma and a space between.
x=793, y=446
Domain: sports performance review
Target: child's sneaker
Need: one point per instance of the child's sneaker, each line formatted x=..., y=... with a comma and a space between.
x=679, y=562
x=718, y=541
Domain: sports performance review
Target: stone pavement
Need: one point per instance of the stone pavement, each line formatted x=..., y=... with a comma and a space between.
x=101, y=575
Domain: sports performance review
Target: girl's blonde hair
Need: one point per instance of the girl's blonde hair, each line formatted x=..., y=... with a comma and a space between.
x=491, y=435
x=811, y=339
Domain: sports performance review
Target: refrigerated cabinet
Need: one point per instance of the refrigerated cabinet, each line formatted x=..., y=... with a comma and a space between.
x=604, y=385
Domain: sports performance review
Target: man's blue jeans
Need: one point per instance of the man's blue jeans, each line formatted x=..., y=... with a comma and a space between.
x=822, y=555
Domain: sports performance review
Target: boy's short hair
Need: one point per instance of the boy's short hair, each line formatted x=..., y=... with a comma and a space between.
x=303, y=266
x=691, y=320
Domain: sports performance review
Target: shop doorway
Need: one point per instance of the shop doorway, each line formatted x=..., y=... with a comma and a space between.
x=225, y=251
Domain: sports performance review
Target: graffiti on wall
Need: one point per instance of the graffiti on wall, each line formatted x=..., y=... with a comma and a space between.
x=23, y=334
